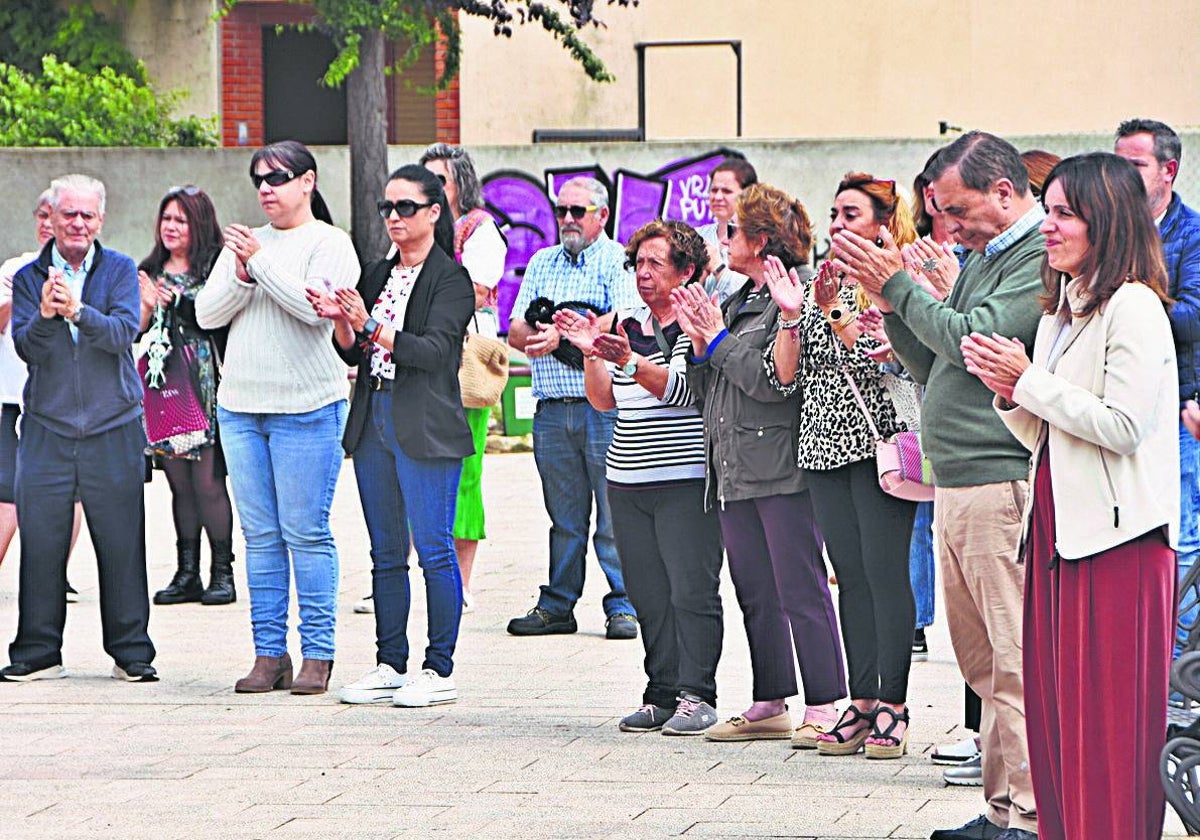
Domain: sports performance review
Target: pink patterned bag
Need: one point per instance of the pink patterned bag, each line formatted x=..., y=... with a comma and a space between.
x=903, y=469
x=173, y=408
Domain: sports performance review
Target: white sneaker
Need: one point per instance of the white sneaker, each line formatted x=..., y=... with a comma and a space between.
x=426, y=689
x=376, y=686
x=366, y=606
x=951, y=754
x=468, y=601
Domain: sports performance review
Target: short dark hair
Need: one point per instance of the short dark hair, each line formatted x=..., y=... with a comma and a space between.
x=982, y=160
x=742, y=170
x=685, y=245
x=1166, y=142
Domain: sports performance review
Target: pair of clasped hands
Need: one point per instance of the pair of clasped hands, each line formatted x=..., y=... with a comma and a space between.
x=341, y=304
x=57, y=298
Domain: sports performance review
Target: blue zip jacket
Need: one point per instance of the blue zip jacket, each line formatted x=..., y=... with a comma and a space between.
x=1180, y=232
x=78, y=389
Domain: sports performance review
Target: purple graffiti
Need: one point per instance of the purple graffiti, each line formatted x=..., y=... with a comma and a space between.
x=522, y=205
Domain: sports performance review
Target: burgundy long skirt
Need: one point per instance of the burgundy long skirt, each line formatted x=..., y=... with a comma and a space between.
x=1097, y=656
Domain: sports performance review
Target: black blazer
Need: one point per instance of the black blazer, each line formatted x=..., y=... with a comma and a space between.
x=426, y=404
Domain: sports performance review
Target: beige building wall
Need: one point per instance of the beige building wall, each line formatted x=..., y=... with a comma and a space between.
x=179, y=44
x=874, y=68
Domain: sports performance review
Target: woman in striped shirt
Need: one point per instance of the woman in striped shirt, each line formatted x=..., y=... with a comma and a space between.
x=670, y=547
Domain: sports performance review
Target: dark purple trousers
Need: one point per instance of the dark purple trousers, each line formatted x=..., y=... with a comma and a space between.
x=774, y=551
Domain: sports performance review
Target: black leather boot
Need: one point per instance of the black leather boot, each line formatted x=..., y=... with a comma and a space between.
x=220, y=583
x=185, y=587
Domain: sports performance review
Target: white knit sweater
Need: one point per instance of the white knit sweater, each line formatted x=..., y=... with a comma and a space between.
x=280, y=358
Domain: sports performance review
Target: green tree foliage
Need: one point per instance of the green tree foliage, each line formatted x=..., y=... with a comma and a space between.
x=78, y=35
x=420, y=23
x=65, y=107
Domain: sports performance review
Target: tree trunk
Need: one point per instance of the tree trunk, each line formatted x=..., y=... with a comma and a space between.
x=366, y=118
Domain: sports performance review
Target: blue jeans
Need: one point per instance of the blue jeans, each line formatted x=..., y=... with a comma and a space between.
x=399, y=493
x=570, y=441
x=920, y=563
x=1189, y=531
x=283, y=469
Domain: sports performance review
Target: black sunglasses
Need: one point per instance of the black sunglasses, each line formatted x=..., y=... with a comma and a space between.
x=276, y=177
x=577, y=211
x=405, y=208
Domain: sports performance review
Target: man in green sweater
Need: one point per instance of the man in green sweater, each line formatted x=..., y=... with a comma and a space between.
x=981, y=188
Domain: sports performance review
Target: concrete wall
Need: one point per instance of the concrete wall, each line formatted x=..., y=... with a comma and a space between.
x=137, y=178
x=873, y=68
x=177, y=40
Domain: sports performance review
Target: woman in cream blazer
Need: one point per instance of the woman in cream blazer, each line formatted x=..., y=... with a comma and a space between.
x=1097, y=407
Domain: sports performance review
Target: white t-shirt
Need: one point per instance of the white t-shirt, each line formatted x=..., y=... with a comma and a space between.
x=12, y=368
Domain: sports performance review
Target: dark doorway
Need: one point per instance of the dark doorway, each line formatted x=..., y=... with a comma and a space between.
x=296, y=106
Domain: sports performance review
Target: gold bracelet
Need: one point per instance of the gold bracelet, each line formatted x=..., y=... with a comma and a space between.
x=842, y=323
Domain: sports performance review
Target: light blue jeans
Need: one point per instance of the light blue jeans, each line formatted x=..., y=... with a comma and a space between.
x=570, y=441
x=1189, y=531
x=921, y=564
x=283, y=469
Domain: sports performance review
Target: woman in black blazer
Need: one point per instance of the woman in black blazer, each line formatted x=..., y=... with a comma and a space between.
x=406, y=430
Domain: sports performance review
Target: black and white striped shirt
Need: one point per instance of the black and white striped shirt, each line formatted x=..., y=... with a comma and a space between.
x=655, y=441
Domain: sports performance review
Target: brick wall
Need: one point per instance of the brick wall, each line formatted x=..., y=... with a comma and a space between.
x=242, y=73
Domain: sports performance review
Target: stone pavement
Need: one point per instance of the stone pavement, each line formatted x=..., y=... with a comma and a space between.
x=531, y=750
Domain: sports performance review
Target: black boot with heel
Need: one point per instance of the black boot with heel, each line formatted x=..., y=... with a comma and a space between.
x=185, y=587
x=220, y=584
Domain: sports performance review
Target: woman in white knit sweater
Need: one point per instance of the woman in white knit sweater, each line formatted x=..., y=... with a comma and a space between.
x=282, y=409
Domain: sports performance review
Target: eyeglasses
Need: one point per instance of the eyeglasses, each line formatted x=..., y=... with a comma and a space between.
x=188, y=190
x=276, y=177
x=405, y=208
x=577, y=211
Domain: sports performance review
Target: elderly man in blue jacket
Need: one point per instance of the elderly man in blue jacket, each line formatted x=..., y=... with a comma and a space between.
x=1154, y=148
x=75, y=317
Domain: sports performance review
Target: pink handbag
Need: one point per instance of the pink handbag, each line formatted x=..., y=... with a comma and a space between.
x=173, y=408
x=903, y=469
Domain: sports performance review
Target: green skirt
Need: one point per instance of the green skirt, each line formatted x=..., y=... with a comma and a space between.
x=468, y=514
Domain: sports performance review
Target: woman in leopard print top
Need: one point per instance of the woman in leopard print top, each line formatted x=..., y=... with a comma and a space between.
x=819, y=349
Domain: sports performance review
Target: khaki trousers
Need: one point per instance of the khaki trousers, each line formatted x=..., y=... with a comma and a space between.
x=979, y=529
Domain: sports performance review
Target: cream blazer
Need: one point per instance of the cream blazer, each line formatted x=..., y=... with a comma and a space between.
x=1109, y=406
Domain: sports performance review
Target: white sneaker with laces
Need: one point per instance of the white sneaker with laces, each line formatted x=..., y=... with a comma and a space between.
x=427, y=688
x=376, y=686
x=366, y=605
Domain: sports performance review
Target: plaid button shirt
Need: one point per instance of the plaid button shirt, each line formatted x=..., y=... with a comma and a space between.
x=1001, y=242
x=597, y=276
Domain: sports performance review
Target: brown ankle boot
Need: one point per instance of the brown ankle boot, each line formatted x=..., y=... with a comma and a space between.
x=268, y=674
x=313, y=677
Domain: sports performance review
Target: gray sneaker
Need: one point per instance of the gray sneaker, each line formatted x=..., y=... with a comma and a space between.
x=648, y=718
x=692, y=716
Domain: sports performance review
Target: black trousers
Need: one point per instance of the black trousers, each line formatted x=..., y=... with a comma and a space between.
x=670, y=551
x=106, y=472
x=867, y=533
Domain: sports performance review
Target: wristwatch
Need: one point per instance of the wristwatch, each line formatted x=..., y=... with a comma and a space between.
x=630, y=367
x=73, y=315
x=368, y=330
x=836, y=314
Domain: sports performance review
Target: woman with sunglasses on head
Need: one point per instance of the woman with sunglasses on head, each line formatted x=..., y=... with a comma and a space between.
x=821, y=351
x=481, y=248
x=762, y=501
x=187, y=241
x=403, y=328
x=282, y=409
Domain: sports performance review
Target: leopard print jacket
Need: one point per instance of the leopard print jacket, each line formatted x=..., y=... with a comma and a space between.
x=833, y=430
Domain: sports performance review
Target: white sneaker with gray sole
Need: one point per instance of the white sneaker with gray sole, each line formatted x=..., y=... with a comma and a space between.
x=427, y=688
x=376, y=686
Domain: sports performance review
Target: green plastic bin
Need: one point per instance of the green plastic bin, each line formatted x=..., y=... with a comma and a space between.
x=517, y=401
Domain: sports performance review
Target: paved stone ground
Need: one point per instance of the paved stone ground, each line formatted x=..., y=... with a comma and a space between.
x=531, y=750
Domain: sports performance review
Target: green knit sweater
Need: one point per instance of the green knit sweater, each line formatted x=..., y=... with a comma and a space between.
x=960, y=432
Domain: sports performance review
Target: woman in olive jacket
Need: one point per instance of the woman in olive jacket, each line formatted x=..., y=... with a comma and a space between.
x=771, y=538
